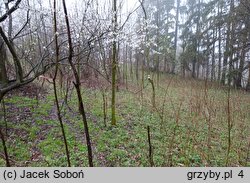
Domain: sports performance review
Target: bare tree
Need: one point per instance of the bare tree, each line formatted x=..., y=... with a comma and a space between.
x=77, y=84
x=8, y=50
x=114, y=62
x=55, y=86
x=20, y=77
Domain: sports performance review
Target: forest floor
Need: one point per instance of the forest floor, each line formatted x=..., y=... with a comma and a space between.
x=189, y=125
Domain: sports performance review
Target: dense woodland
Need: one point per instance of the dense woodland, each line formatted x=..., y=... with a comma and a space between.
x=125, y=83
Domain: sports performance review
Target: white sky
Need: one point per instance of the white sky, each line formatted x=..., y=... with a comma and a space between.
x=128, y=4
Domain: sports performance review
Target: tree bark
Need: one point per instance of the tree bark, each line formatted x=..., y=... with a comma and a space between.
x=78, y=87
x=59, y=116
x=114, y=64
x=3, y=58
x=176, y=34
x=219, y=44
x=4, y=147
x=248, y=81
x=238, y=83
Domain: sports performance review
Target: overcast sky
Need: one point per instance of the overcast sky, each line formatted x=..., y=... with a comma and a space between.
x=128, y=4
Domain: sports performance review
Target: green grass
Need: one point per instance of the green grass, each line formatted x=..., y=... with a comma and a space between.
x=180, y=138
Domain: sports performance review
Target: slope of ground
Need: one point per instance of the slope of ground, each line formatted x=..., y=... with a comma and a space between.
x=190, y=126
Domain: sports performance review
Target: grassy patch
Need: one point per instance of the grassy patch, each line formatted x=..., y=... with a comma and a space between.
x=188, y=127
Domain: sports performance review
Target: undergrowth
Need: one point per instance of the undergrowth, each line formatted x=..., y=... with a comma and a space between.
x=188, y=127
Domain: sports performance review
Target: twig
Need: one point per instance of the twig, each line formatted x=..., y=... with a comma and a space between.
x=151, y=160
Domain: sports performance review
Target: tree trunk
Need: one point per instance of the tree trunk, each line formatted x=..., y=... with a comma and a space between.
x=213, y=59
x=176, y=34
x=4, y=147
x=158, y=45
x=193, y=68
x=248, y=81
x=241, y=67
x=131, y=64
x=219, y=44
x=228, y=46
x=225, y=58
x=231, y=43
x=197, y=46
x=77, y=84
x=114, y=64
x=137, y=57
x=59, y=116
x=3, y=58
x=207, y=60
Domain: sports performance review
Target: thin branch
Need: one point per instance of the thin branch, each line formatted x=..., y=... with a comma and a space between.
x=24, y=25
x=11, y=10
x=129, y=17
